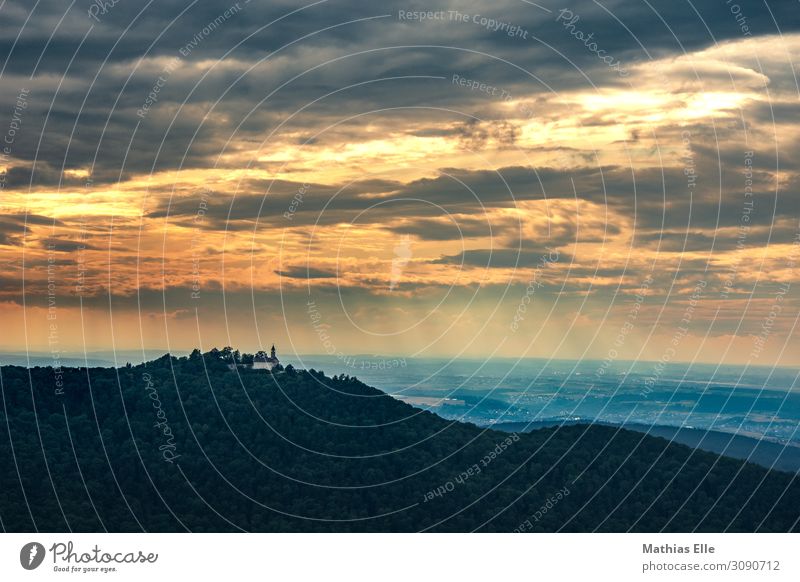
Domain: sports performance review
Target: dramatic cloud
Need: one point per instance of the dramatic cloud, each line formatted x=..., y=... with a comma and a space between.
x=209, y=168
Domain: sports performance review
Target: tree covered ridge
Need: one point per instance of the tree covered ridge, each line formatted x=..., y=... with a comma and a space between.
x=189, y=444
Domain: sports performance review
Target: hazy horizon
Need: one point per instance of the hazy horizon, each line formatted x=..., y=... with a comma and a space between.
x=153, y=353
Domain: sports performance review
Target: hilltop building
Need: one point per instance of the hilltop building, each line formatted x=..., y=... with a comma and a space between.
x=263, y=362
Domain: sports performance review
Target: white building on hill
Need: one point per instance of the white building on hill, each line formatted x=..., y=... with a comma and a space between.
x=262, y=361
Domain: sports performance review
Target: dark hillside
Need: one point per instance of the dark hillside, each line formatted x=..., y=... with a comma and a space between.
x=188, y=444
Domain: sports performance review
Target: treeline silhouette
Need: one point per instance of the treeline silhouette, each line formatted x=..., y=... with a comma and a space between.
x=189, y=444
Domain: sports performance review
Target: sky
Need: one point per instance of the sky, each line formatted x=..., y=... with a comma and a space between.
x=609, y=180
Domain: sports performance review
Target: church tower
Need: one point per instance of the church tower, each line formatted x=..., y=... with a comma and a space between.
x=262, y=361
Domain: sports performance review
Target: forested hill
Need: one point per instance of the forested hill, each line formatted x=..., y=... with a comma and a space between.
x=187, y=444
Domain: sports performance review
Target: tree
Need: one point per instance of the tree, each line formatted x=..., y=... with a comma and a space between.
x=330, y=442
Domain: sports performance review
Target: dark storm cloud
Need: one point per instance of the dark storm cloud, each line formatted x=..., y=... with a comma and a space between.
x=453, y=229
x=527, y=257
x=14, y=227
x=21, y=220
x=656, y=197
x=44, y=175
x=751, y=240
x=418, y=202
x=661, y=26
x=298, y=272
x=82, y=106
x=271, y=205
x=690, y=25
x=65, y=245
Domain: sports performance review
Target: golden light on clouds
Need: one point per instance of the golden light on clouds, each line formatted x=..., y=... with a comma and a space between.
x=410, y=203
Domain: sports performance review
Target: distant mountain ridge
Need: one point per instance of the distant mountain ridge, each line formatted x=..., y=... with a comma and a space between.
x=187, y=444
x=769, y=454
